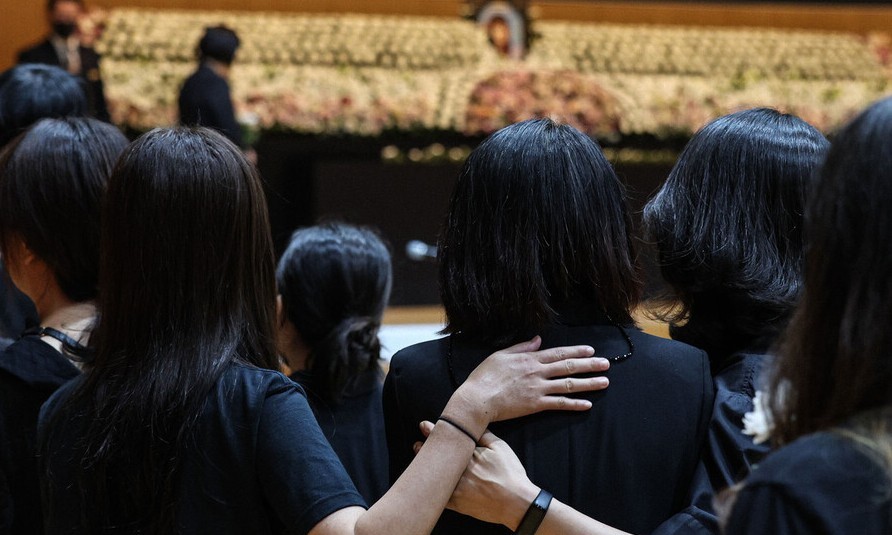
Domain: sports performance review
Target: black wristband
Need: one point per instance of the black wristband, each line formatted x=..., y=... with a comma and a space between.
x=535, y=514
x=460, y=428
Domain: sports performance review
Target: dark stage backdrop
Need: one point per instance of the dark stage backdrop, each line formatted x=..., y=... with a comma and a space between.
x=310, y=179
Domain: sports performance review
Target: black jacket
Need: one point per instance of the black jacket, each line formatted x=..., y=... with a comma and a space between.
x=45, y=53
x=628, y=461
x=205, y=100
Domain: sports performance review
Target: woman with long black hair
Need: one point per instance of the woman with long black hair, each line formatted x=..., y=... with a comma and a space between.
x=183, y=423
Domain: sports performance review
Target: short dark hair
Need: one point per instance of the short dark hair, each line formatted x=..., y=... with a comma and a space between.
x=537, y=218
x=31, y=92
x=52, y=179
x=219, y=43
x=836, y=359
x=727, y=225
x=335, y=280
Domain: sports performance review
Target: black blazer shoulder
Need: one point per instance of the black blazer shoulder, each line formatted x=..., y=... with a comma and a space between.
x=42, y=52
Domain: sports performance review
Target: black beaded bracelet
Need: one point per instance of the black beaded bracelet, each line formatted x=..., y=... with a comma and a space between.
x=460, y=428
x=535, y=514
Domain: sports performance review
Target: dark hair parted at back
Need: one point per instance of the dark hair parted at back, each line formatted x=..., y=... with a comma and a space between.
x=335, y=280
x=32, y=92
x=836, y=359
x=728, y=228
x=187, y=287
x=52, y=179
x=537, y=218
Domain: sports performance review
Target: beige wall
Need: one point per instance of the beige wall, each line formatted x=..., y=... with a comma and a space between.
x=22, y=21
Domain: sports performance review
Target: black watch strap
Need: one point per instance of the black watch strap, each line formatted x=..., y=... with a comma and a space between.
x=535, y=514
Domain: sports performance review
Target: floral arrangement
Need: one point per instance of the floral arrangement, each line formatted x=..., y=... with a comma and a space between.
x=565, y=96
x=281, y=39
x=365, y=74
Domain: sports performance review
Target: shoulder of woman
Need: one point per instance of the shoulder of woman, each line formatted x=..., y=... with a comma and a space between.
x=817, y=460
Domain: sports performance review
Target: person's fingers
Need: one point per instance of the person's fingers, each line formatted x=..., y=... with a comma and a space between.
x=560, y=403
x=426, y=427
x=574, y=366
x=487, y=440
x=559, y=354
x=572, y=385
x=417, y=447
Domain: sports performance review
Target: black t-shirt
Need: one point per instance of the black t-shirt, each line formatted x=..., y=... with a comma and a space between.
x=261, y=466
x=355, y=429
x=30, y=371
x=627, y=462
x=821, y=484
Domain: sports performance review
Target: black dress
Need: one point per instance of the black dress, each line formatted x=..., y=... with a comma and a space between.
x=44, y=52
x=822, y=484
x=355, y=430
x=627, y=462
x=30, y=371
x=205, y=100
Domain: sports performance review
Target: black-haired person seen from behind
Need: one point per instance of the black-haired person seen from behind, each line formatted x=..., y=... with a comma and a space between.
x=32, y=92
x=334, y=282
x=29, y=93
x=727, y=225
x=63, y=48
x=205, y=98
x=52, y=180
x=537, y=239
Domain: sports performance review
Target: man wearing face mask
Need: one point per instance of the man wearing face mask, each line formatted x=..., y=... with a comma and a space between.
x=63, y=48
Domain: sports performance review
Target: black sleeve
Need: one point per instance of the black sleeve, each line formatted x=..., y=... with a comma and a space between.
x=301, y=476
x=218, y=112
x=398, y=443
x=95, y=88
x=730, y=454
x=228, y=124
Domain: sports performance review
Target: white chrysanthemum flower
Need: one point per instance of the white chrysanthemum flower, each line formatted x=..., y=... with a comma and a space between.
x=758, y=423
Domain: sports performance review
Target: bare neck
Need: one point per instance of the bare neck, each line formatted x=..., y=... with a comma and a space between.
x=220, y=69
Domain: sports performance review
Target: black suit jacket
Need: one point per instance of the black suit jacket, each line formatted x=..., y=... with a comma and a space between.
x=45, y=53
x=629, y=461
x=205, y=100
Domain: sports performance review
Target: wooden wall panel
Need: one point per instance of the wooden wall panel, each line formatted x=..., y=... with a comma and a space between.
x=22, y=21
x=843, y=17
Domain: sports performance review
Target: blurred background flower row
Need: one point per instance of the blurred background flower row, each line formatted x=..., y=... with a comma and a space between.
x=364, y=74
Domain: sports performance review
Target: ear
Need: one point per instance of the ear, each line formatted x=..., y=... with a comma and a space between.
x=19, y=252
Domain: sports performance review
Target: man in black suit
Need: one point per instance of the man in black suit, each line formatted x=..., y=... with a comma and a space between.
x=64, y=49
x=205, y=98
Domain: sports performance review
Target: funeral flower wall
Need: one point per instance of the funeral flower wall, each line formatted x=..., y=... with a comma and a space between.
x=364, y=74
